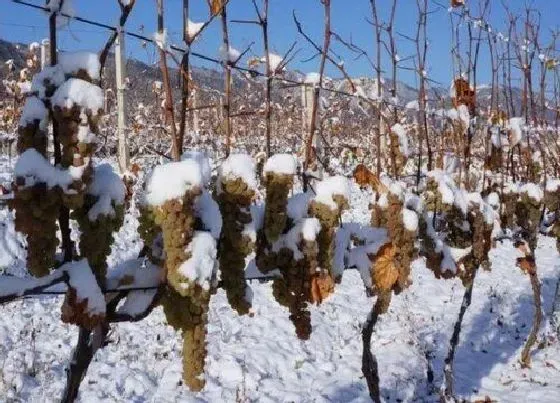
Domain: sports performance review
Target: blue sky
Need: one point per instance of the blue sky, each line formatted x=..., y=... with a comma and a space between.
x=19, y=23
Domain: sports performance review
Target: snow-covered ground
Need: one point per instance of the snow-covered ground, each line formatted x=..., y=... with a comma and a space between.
x=260, y=359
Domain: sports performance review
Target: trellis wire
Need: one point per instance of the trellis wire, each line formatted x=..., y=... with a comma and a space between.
x=201, y=56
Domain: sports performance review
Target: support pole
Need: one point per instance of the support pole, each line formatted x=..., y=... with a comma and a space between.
x=123, y=154
x=45, y=53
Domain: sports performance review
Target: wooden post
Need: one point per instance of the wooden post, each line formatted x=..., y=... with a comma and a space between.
x=227, y=82
x=307, y=106
x=176, y=149
x=123, y=154
x=195, y=123
x=309, y=95
x=45, y=53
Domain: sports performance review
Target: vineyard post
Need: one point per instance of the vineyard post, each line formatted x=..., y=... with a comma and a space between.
x=227, y=80
x=309, y=153
x=64, y=216
x=45, y=49
x=184, y=75
x=195, y=118
x=394, y=64
x=120, y=73
x=169, y=110
x=379, y=118
x=263, y=22
x=421, y=41
x=473, y=67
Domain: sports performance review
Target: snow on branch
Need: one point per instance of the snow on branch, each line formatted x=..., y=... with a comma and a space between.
x=133, y=276
x=12, y=288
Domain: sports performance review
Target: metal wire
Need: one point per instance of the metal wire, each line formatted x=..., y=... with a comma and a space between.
x=252, y=72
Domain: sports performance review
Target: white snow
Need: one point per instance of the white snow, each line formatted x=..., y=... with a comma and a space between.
x=171, y=181
x=274, y=60
x=238, y=166
x=11, y=247
x=34, y=109
x=260, y=359
x=331, y=186
x=78, y=92
x=496, y=137
x=372, y=239
x=451, y=256
x=446, y=185
x=202, y=265
x=13, y=285
x=413, y=202
x=36, y=169
x=257, y=221
x=400, y=131
x=298, y=205
x=61, y=7
x=464, y=115
x=516, y=126
x=161, y=39
x=284, y=164
x=24, y=87
x=310, y=228
x=493, y=199
x=383, y=201
x=452, y=114
x=203, y=161
x=71, y=62
x=533, y=191
x=312, y=78
x=109, y=188
x=230, y=56
x=511, y=187
x=83, y=281
x=137, y=302
x=193, y=28
x=85, y=135
x=397, y=189
x=413, y=105
x=552, y=185
x=306, y=229
x=410, y=220
x=208, y=211
x=142, y=272
x=51, y=74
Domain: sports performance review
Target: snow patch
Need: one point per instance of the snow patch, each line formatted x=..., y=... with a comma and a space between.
x=238, y=166
x=400, y=131
x=109, y=188
x=283, y=164
x=71, y=62
x=201, y=267
x=208, y=211
x=331, y=186
x=230, y=55
x=533, y=191
x=171, y=181
x=78, y=92
x=410, y=220
x=203, y=161
x=36, y=169
x=81, y=278
x=193, y=28
x=34, y=109
x=298, y=206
